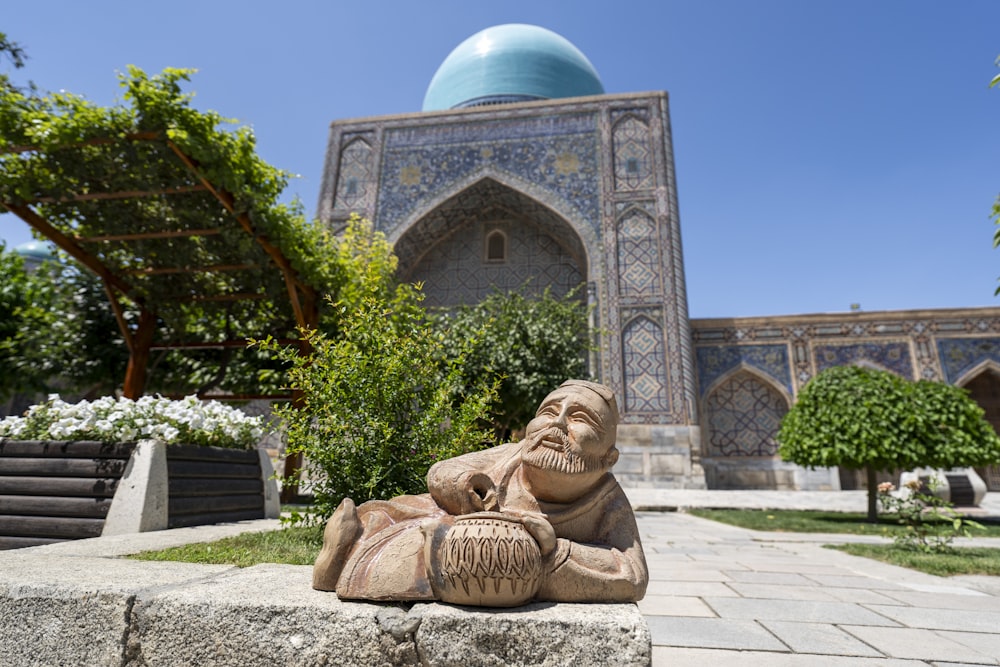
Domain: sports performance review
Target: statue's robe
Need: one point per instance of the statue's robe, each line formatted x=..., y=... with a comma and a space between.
x=598, y=555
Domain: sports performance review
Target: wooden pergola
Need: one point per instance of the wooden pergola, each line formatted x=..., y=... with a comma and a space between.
x=171, y=242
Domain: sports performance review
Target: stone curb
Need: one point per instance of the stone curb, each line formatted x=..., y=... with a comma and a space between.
x=76, y=605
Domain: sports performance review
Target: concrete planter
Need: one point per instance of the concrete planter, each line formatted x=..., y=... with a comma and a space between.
x=962, y=487
x=52, y=491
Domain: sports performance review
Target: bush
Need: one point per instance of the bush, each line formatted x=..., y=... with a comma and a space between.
x=533, y=343
x=379, y=404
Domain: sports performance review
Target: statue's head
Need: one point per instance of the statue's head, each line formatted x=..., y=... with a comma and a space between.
x=574, y=430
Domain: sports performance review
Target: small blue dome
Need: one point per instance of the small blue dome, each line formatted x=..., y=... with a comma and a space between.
x=511, y=63
x=35, y=250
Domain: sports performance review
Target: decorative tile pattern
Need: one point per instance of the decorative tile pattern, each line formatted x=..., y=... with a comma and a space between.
x=558, y=154
x=633, y=160
x=960, y=355
x=355, y=186
x=892, y=356
x=744, y=415
x=486, y=200
x=714, y=362
x=638, y=256
x=642, y=351
x=456, y=272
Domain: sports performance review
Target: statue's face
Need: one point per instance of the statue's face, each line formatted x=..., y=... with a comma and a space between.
x=573, y=431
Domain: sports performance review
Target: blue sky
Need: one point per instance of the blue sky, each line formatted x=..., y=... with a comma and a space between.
x=828, y=152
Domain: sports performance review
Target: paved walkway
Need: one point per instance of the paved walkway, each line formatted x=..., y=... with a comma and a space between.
x=721, y=595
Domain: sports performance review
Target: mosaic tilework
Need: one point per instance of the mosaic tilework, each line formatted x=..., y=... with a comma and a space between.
x=639, y=265
x=633, y=161
x=355, y=186
x=455, y=272
x=960, y=355
x=744, y=415
x=893, y=356
x=419, y=162
x=642, y=350
x=715, y=362
x=485, y=200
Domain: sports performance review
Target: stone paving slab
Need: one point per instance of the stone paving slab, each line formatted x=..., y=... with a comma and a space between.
x=699, y=657
x=919, y=644
x=987, y=644
x=742, y=635
x=941, y=619
x=807, y=611
x=901, y=617
x=819, y=638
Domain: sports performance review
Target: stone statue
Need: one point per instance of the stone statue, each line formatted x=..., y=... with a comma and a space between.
x=540, y=519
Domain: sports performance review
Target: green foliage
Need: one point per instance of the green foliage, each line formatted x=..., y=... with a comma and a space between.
x=960, y=561
x=380, y=403
x=56, y=147
x=859, y=418
x=862, y=418
x=57, y=331
x=931, y=523
x=533, y=344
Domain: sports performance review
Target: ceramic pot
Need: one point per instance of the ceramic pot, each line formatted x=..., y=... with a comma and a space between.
x=488, y=559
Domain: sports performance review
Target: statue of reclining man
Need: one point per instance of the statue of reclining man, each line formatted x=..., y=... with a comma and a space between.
x=556, y=482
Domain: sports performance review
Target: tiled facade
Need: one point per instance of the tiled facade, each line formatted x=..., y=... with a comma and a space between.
x=581, y=192
x=738, y=358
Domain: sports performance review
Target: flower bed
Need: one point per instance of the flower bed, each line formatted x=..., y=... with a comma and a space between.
x=69, y=471
x=187, y=421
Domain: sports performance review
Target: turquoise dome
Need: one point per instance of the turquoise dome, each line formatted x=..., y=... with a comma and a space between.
x=35, y=250
x=511, y=63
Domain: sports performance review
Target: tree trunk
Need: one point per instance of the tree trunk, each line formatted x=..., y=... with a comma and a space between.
x=872, y=495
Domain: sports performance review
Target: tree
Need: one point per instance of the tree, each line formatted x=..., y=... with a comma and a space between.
x=533, y=344
x=862, y=418
x=57, y=332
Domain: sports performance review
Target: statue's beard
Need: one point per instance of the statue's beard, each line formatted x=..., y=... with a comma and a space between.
x=551, y=450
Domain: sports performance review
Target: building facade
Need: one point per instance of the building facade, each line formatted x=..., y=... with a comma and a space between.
x=520, y=174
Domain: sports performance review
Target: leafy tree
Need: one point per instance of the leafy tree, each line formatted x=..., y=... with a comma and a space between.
x=533, y=343
x=380, y=403
x=862, y=418
x=57, y=332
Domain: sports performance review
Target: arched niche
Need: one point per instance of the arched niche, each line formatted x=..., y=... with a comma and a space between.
x=449, y=248
x=742, y=411
x=983, y=385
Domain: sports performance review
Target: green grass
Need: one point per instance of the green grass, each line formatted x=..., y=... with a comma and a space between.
x=813, y=521
x=292, y=546
x=960, y=560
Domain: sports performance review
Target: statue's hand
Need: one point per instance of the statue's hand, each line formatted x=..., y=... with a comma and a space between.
x=542, y=531
x=481, y=492
x=470, y=492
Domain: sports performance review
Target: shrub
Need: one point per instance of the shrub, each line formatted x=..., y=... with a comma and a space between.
x=379, y=404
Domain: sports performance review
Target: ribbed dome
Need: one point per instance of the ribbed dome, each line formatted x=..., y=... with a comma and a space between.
x=511, y=63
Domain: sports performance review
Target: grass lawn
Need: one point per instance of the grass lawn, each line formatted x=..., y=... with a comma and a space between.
x=292, y=546
x=961, y=560
x=814, y=521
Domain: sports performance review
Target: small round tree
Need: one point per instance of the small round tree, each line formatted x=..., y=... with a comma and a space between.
x=862, y=418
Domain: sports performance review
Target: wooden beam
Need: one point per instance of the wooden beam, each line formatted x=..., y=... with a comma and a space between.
x=141, y=236
x=292, y=284
x=138, y=358
x=29, y=215
x=235, y=296
x=166, y=270
x=123, y=194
